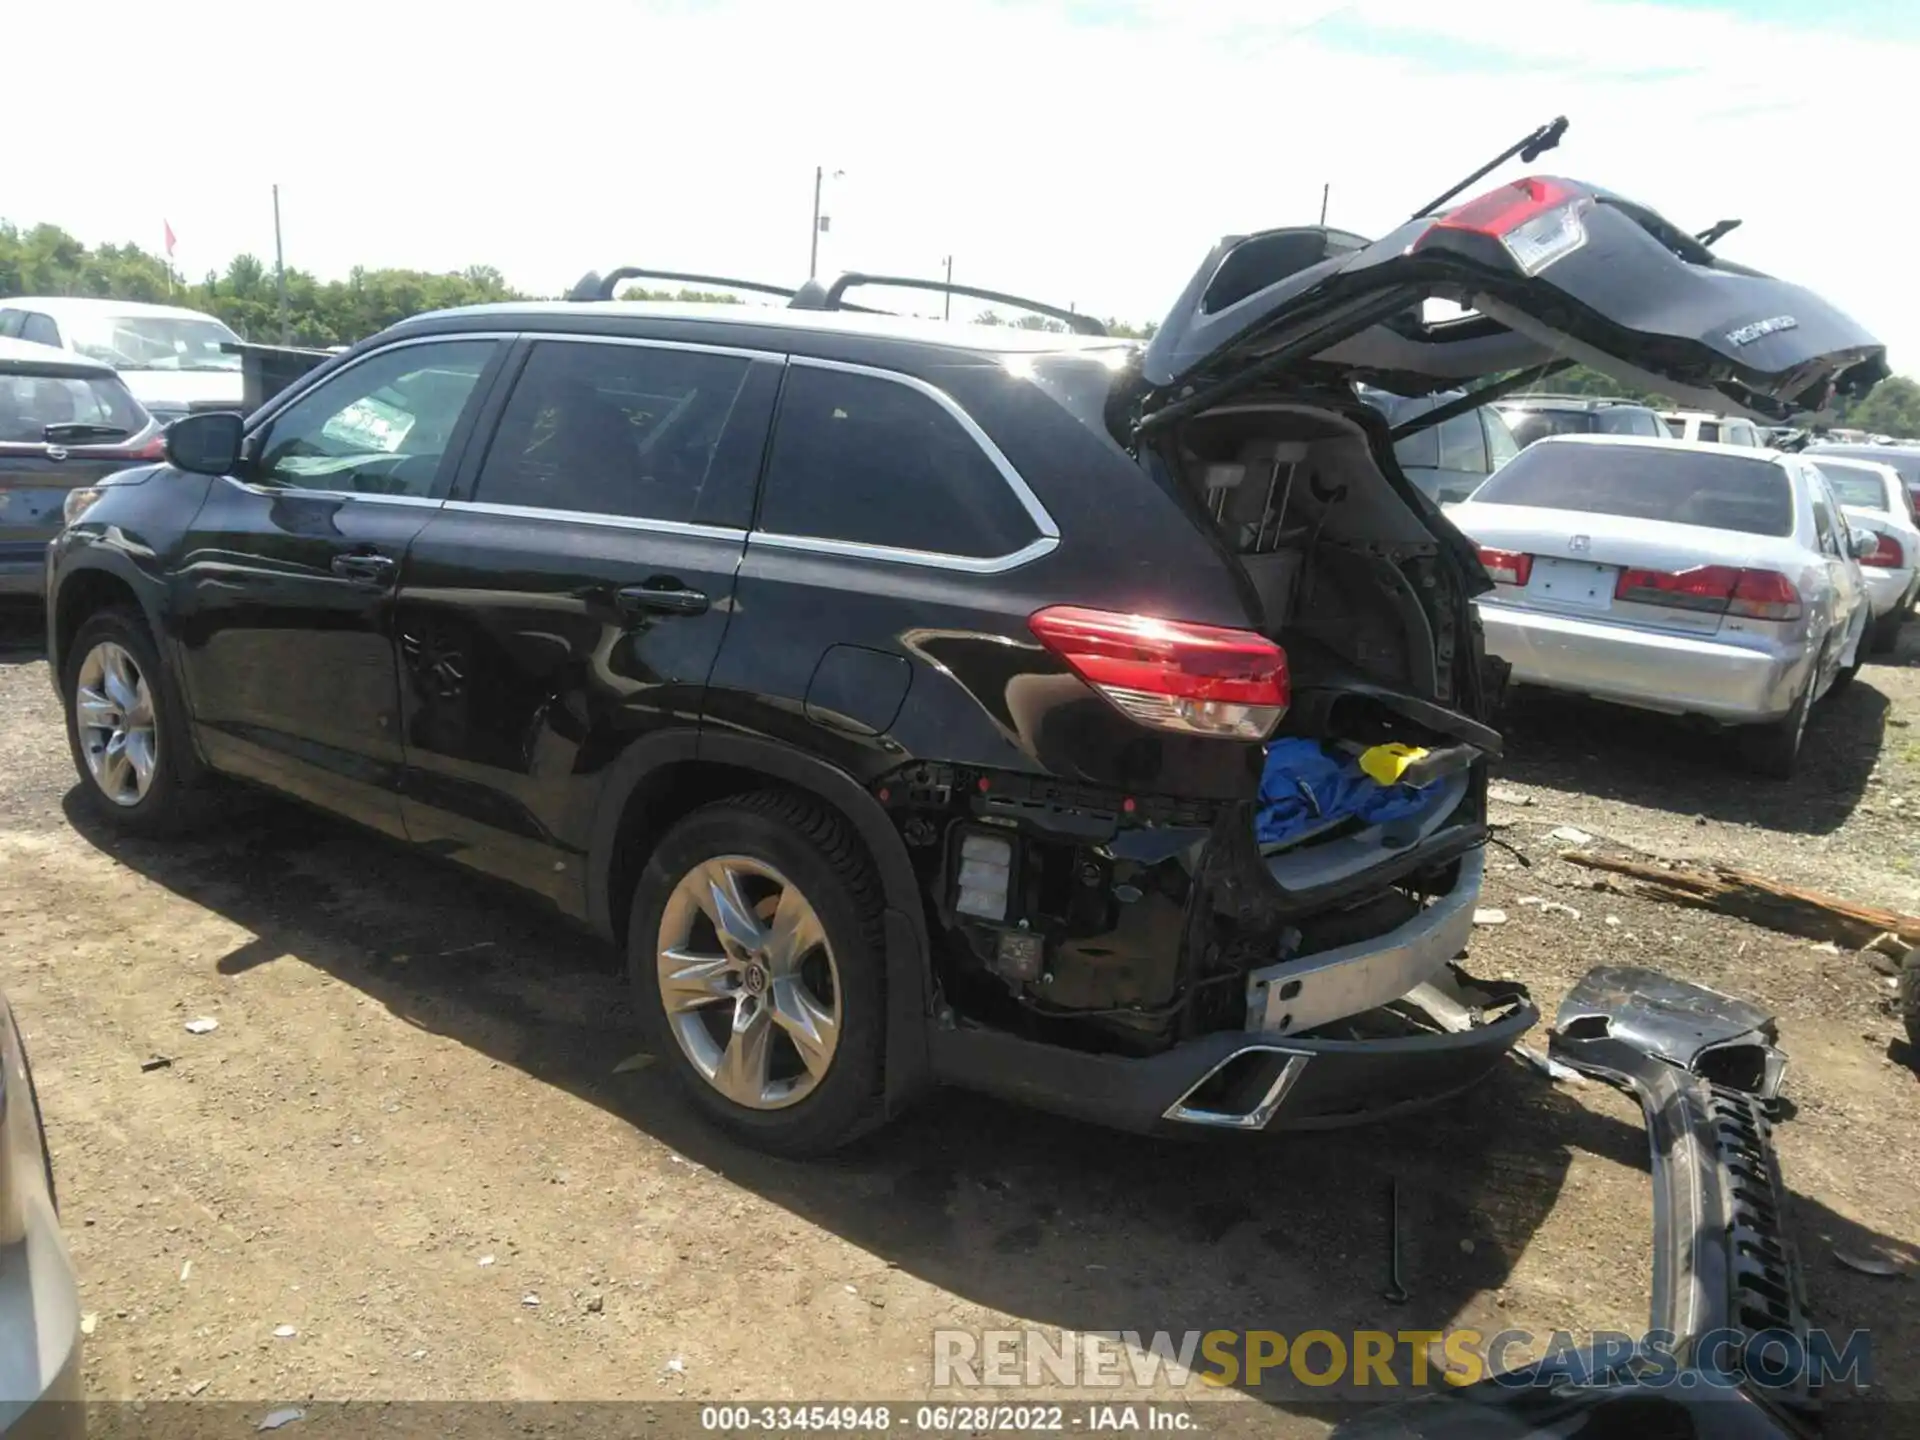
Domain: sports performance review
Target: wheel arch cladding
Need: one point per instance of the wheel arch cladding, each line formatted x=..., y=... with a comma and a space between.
x=667, y=775
x=86, y=592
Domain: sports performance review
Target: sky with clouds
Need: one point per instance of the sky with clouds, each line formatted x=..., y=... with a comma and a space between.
x=1085, y=151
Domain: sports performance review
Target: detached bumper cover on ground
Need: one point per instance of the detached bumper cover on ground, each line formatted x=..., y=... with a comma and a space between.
x=1724, y=1272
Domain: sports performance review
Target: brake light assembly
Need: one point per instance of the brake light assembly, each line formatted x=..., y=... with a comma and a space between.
x=1886, y=554
x=1507, y=567
x=1715, y=590
x=1537, y=221
x=1170, y=674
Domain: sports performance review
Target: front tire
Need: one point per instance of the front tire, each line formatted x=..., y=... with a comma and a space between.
x=756, y=953
x=126, y=730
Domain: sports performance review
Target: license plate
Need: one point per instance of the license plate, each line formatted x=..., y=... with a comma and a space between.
x=1578, y=583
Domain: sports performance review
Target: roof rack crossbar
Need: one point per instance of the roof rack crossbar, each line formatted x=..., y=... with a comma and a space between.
x=1072, y=319
x=594, y=286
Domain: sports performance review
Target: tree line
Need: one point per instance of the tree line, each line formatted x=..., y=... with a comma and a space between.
x=46, y=260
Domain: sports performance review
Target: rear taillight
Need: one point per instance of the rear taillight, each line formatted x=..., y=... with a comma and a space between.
x=1506, y=566
x=1536, y=220
x=1196, y=679
x=1765, y=595
x=1713, y=589
x=1887, y=554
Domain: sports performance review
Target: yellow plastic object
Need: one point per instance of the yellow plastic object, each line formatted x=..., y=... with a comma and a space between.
x=1387, y=763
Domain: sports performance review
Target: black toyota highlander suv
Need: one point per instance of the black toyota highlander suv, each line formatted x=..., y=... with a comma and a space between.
x=897, y=694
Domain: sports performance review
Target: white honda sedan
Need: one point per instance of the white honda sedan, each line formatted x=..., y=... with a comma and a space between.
x=1716, y=581
x=1875, y=499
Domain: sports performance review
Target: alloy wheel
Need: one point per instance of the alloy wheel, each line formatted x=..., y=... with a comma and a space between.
x=748, y=982
x=114, y=718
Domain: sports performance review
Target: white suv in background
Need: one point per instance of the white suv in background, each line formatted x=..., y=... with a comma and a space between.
x=171, y=358
x=1702, y=428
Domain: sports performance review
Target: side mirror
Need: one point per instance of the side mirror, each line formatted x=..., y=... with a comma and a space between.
x=205, y=444
x=1862, y=543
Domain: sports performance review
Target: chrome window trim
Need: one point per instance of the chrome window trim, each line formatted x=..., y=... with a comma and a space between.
x=1046, y=541
x=928, y=559
x=281, y=492
x=685, y=528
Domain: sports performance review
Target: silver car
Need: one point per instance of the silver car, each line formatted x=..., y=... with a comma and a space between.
x=1717, y=581
x=39, y=1296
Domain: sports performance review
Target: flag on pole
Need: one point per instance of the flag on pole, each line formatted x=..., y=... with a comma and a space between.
x=164, y=225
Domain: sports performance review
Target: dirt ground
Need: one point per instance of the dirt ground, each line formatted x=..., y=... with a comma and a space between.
x=410, y=1139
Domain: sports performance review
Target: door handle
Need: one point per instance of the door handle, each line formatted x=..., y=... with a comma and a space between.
x=362, y=565
x=664, y=598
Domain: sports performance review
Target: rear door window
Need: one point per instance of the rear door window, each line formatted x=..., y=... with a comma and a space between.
x=1826, y=526
x=30, y=403
x=862, y=459
x=40, y=330
x=1681, y=487
x=1463, y=445
x=10, y=322
x=1709, y=433
x=635, y=432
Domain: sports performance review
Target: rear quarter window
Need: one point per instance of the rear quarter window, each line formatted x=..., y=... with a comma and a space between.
x=1680, y=487
x=867, y=460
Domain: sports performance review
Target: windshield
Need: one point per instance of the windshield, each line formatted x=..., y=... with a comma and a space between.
x=1861, y=489
x=1680, y=487
x=30, y=403
x=152, y=342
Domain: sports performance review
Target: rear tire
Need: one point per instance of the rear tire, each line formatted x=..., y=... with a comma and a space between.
x=1886, y=630
x=127, y=728
x=772, y=1024
x=1774, y=750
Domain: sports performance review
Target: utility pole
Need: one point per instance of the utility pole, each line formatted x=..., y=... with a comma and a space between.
x=946, y=310
x=280, y=270
x=813, y=254
x=1325, y=190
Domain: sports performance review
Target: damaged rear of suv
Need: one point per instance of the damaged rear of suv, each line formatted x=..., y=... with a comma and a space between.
x=1102, y=728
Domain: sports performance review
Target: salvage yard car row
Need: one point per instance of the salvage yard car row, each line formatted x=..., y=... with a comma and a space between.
x=907, y=701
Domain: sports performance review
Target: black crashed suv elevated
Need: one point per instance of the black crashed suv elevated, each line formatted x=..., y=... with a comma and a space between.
x=897, y=695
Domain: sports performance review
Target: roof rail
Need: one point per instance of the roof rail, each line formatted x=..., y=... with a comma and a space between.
x=1074, y=321
x=594, y=286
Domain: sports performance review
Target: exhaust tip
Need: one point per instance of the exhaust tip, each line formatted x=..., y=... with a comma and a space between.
x=1243, y=1092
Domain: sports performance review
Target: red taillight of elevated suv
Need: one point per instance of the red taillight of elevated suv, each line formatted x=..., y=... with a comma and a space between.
x=1717, y=589
x=1536, y=220
x=1886, y=554
x=1172, y=675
